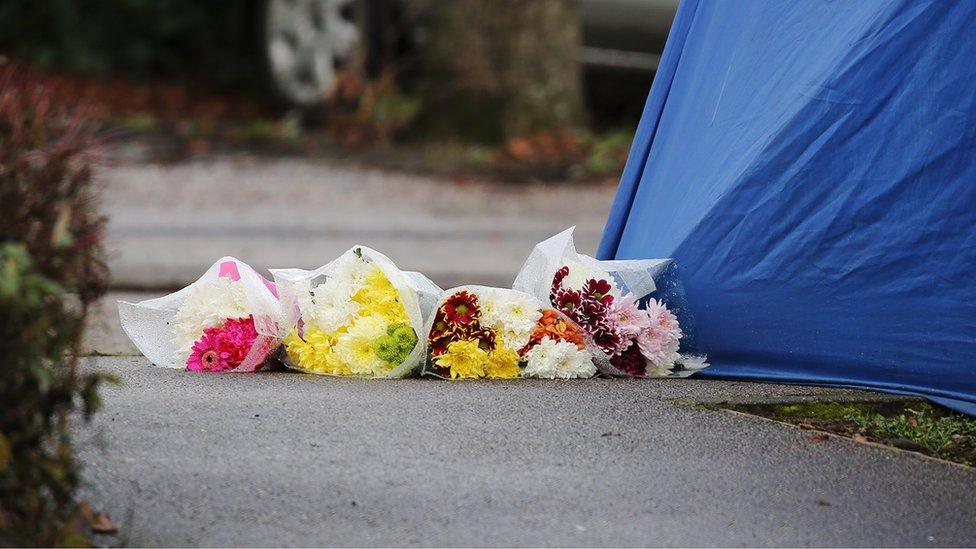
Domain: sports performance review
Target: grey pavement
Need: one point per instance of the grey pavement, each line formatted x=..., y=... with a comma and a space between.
x=168, y=223
x=290, y=459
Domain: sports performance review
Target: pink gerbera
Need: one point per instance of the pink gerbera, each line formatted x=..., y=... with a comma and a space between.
x=223, y=348
x=207, y=355
x=237, y=336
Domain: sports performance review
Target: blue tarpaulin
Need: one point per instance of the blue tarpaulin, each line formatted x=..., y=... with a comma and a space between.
x=811, y=166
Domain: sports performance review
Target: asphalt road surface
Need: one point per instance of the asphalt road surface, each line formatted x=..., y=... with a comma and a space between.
x=289, y=459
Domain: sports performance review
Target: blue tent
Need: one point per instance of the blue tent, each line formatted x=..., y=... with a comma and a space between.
x=811, y=166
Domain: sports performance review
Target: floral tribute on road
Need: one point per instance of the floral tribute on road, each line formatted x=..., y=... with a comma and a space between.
x=227, y=321
x=496, y=333
x=356, y=316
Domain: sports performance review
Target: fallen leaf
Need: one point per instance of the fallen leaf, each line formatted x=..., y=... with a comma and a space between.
x=819, y=438
x=805, y=425
x=858, y=437
x=823, y=503
x=102, y=524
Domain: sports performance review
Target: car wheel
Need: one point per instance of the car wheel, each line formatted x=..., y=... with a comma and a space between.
x=306, y=43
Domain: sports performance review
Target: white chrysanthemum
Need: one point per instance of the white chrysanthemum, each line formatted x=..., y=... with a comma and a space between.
x=208, y=305
x=671, y=356
x=512, y=315
x=356, y=347
x=350, y=271
x=329, y=306
x=580, y=273
x=490, y=304
x=301, y=289
x=551, y=359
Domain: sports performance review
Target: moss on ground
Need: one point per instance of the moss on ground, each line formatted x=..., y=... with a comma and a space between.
x=907, y=424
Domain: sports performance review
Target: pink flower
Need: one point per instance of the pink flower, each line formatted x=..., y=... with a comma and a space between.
x=207, y=355
x=663, y=319
x=653, y=346
x=238, y=335
x=223, y=348
x=660, y=337
x=630, y=320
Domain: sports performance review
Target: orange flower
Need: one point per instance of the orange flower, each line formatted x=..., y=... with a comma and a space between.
x=556, y=328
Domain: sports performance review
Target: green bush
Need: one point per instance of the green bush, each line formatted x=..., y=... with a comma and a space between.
x=51, y=270
x=138, y=38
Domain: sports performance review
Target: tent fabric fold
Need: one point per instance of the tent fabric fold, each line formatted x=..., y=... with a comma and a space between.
x=811, y=166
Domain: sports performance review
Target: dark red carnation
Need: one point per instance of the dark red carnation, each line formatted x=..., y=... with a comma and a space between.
x=598, y=290
x=557, y=282
x=607, y=337
x=631, y=361
x=568, y=300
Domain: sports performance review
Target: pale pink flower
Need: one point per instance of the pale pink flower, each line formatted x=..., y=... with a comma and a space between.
x=630, y=320
x=664, y=319
x=659, y=341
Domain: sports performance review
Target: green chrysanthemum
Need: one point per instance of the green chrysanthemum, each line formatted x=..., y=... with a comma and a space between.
x=405, y=337
x=388, y=350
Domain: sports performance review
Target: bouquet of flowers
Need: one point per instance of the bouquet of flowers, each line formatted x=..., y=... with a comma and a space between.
x=603, y=298
x=227, y=321
x=482, y=332
x=359, y=315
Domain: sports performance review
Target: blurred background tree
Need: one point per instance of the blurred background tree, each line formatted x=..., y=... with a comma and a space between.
x=499, y=70
x=544, y=88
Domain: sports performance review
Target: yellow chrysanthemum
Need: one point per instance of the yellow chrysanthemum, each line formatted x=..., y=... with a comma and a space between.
x=356, y=347
x=315, y=353
x=465, y=359
x=378, y=296
x=502, y=363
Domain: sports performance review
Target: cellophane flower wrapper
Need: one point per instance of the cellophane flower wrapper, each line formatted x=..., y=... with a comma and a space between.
x=359, y=315
x=229, y=320
x=498, y=333
x=633, y=311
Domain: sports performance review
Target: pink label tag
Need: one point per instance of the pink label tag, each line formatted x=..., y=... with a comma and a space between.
x=228, y=269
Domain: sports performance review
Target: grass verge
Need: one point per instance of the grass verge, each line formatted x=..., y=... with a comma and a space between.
x=913, y=425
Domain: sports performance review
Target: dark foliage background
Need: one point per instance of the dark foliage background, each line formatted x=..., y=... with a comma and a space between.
x=188, y=39
x=51, y=270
